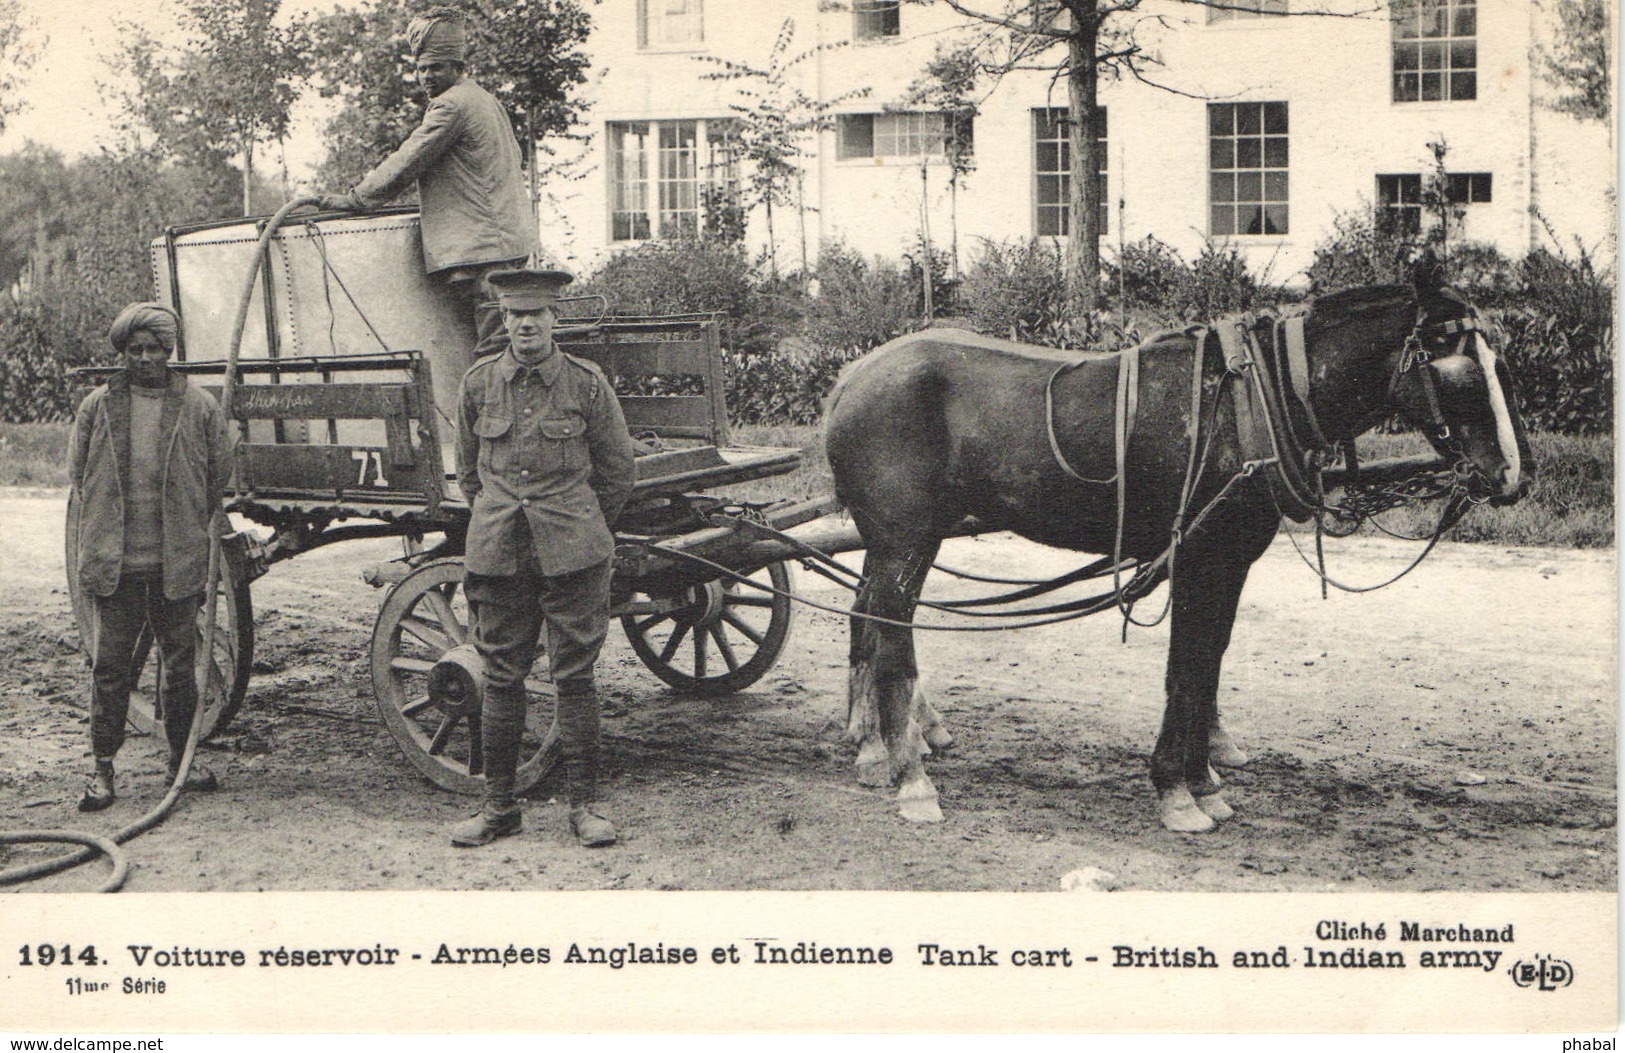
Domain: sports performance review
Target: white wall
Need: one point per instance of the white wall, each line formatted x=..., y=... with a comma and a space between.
x=1334, y=73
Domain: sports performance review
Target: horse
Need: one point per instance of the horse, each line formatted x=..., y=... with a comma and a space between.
x=1178, y=457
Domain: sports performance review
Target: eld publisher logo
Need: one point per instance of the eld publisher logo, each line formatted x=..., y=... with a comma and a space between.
x=1545, y=973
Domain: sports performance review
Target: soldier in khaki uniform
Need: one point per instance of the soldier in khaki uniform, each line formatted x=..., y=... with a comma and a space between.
x=545, y=460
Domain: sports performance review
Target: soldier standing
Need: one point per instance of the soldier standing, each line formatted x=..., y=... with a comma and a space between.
x=545, y=462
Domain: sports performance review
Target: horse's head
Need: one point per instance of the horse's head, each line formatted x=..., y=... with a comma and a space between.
x=1449, y=383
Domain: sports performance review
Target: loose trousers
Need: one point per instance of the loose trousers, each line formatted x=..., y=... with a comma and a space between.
x=138, y=601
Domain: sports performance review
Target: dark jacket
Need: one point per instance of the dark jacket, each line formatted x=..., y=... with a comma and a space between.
x=197, y=462
x=470, y=194
x=551, y=451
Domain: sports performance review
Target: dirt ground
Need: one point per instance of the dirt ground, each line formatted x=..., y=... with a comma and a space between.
x=1455, y=731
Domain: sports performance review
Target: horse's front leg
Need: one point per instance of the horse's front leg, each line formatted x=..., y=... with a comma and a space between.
x=1206, y=592
x=884, y=704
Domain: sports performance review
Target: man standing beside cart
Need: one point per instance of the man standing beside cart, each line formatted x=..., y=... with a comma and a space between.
x=475, y=215
x=148, y=464
x=545, y=461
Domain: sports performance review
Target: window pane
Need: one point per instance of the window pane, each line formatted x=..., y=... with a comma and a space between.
x=1250, y=186
x=1249, y=153
x=1275, y=219
x=1407, y=88
x=1248, y=120
x=1432, y=87
x=1463, y=55
x=1275, y=152
x=1465, y=21
x=1275, y=118
x=1275, y=186
x=857, y=135
x=1222, y=153
x=1222, y=219
x=1221, y=186
x=1220, y=120
x=1250, y=219
x=1407, y=56
x=1051, y=190
x=1464, y=85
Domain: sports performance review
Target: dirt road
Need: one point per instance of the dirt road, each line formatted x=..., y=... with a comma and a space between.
x=1455, y=731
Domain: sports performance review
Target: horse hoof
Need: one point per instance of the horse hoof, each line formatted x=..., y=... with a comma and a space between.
x=917, y=802
x=938, y=738
x=1223, y=751
x=1180, y=814
x=1215, y=807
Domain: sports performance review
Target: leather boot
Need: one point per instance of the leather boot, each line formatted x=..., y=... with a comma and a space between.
x=198, y=778
x=578, y=739
x=488, y=824
x=502, y=720
x=99, y=791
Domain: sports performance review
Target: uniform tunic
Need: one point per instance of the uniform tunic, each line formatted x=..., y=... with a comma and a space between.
x=545, y=462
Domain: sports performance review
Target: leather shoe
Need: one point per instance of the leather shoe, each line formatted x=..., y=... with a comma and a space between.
x=486, y=826
x=590, y=828
x=98, y=792
x=198, y=780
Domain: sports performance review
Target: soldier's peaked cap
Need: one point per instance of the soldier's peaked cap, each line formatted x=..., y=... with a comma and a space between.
x=528, y=290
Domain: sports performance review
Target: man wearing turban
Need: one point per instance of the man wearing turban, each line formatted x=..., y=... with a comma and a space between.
x=148, y=464
x=475, y=213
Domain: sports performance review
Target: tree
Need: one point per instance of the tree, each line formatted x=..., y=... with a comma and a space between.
x=1577, y=59
x=35, y=189
x=1080, y=41
x=776, y=118
x=528, y=53
x=947, y=87
x=20, y=45
x=227, y=90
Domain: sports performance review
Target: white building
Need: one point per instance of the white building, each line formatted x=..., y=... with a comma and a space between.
x=1278, y=124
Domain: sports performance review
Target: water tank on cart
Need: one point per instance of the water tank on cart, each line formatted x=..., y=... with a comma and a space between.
x=333, y=285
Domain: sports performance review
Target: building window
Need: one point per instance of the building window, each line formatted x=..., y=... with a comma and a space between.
x=1052, y=163
x=897, y=135
x=1247, y=168
x=873, y=19
x=1435, y=50
x=1246, y=9
x=686, y=157
x=1399, y=197
x=670, y=23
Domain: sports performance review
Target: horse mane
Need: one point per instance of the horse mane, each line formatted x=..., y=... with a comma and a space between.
x=1352, y=303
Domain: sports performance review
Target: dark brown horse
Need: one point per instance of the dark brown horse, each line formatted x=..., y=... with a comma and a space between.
x=944, y=424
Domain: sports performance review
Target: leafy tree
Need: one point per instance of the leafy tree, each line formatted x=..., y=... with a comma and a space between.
x=528, y=53
x=1577, y=59
x=225, y=91
x=776, y=119
x=36, y=189
x=20, y=45
x=947, y=87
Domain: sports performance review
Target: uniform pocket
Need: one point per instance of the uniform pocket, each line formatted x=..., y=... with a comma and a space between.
x=565, y=441
x=496, y=439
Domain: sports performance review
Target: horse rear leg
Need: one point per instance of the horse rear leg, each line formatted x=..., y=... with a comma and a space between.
x=884, y=704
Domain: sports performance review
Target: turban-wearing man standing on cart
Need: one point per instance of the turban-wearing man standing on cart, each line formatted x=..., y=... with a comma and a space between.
x=545, y=461
x=148, y=465
x=475, y=215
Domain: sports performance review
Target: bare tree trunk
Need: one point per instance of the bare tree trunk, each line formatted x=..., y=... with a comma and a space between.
x=925, y=239
x=1082, y=86
x=772, y=242
x=248, y=176
x=535, y=179
x=801, y=210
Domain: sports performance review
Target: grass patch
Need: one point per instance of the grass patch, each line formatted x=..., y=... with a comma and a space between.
x=34, y=454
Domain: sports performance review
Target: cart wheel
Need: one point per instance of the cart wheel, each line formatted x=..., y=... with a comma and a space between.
x=721, y=636
x=428, y=682
x=233, y=651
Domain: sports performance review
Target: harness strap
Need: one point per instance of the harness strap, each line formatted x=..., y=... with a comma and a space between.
x=1261, y=416
x=1126, y=410
x=1289, y=334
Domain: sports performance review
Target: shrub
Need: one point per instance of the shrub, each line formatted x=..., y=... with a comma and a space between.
x=785, y=386
x=860, y=303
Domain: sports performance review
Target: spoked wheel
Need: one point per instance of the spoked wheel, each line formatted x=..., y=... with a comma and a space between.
x=714, y=638
x=233, y=656
x=429, y=682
